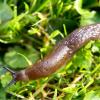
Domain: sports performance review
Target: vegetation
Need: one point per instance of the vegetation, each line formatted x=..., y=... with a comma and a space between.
x=28, y=31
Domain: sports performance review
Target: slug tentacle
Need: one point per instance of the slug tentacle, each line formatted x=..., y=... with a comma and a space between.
x=13, y=73
x=61, y=54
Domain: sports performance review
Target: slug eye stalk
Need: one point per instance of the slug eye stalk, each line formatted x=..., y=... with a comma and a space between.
x=13, y=73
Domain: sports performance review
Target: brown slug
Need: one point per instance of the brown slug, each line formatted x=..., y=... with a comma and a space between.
x=60, y=55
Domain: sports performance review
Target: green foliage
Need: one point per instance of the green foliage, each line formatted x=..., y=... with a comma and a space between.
x=92, y=95
x=2, y=92
x=29, y=29
x=23, y=57
x=5, y=12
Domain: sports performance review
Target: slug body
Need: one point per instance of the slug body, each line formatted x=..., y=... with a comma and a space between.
x=61, y=53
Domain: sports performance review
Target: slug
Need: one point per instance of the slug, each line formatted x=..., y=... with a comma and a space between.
x=60, y=55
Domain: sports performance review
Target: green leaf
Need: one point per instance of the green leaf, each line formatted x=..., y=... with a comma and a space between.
x=43, y=4
x=87, y=16
x=79, y=9
x=5, y=12
x=55, y=33
x=83, y=59
x=19, y=58
x=2, y=93
x=26, y=6
x=93, y=17
x=5, y=79
x=92, y=95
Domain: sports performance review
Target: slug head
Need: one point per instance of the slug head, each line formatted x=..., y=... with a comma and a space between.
x=16, y=76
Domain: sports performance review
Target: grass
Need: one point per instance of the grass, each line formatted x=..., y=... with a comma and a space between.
x=28, y=31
